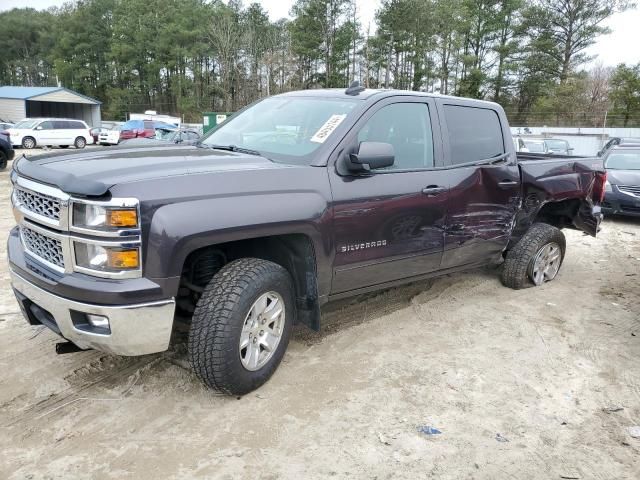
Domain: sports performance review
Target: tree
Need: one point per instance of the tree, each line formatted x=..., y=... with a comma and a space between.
x=625, y=93
x=569, y=28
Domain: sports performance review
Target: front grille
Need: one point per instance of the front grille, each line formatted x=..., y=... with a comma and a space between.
x=632, y=189
x=39, y=203
x=42, y=246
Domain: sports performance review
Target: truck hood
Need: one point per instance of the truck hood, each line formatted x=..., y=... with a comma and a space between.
x=623, y=177
x=94, y=172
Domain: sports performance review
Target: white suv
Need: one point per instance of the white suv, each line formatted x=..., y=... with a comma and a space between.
x=60, y=132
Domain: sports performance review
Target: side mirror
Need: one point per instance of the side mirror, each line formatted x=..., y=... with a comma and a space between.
x=371, y=156
x=39, y=127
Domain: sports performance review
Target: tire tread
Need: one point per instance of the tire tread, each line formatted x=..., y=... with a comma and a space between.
x=211, y=349
x=515, y=268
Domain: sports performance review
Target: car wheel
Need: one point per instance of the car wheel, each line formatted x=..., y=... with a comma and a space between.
x=3, y=160
x=241, y=325
x=80, y=142
x=28, y=142
x=536, y=258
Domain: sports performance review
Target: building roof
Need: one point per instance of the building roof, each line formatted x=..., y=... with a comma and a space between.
x=28, y=93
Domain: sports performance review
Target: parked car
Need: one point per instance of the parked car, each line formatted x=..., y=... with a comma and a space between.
x=110, y=137
x=6, y=151
x=178, y=137
x=59, y=132
x=142, y=128
x=622, y=195
x=5, y=126
x=531, y=145
x=95, y=133
x=297, y=200
x=616, y=141
x=557, y=146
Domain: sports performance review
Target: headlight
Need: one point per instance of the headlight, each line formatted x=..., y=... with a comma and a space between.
x=106, y=259
x=103, y=218
x=607, y=187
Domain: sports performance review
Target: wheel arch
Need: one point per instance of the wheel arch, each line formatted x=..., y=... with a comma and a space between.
x=294, y=251
x=560, y=214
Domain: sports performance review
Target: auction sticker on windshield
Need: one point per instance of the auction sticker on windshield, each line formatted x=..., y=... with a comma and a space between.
x=327, y=129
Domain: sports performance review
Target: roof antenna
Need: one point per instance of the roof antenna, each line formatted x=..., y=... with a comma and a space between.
x=355, y=88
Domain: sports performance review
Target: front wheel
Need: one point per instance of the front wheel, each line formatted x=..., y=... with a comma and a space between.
x=241, y=325
x=536, y=258
x=80, y=142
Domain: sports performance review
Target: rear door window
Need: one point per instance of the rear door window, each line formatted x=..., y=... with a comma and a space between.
x=76, y=125
x=475, y=134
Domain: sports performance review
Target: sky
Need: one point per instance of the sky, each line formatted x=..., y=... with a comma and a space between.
x=621, y=46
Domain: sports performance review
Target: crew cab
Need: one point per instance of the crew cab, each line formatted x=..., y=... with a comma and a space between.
x=295, y=201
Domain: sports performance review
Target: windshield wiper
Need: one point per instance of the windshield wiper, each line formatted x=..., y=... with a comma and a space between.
x=233, y=148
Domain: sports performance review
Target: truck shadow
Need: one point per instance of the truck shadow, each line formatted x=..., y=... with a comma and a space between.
x=343, y=314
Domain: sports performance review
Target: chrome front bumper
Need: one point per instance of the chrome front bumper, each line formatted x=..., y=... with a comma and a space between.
x=135, y=329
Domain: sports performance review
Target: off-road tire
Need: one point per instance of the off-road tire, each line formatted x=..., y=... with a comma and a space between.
x=26, y=142
x=515, y=272
x=218, y=319
x=80, y=142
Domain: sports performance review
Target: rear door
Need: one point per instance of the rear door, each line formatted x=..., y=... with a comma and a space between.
x=62, y=132
x=388, y=225
x=79, y=129
x=483, y=181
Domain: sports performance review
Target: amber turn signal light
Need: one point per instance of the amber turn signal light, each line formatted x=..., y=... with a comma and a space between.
x=123, y=259
x=122, y=218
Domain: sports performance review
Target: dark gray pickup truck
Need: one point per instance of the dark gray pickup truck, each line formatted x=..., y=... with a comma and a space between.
x=297, y=200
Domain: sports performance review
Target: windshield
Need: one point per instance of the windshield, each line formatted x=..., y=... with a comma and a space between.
x=26, y=124
x=624, y=161
x=534, y=147
x=285, y=129
x=557, y=144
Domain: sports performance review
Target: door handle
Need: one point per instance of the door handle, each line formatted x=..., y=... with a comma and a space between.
x=433, y=190
x=508, y=183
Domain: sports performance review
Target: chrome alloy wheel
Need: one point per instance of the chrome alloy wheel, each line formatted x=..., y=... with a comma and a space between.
x=262, y=331
x=546, y=263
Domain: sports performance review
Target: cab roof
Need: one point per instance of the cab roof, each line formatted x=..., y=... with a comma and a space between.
x=370, y=93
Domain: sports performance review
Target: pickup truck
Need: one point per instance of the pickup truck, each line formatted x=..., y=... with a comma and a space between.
x=295, y=201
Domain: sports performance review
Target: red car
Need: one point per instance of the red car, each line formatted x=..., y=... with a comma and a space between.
x=142, y=128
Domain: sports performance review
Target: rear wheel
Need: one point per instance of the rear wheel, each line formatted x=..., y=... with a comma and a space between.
x=241, y=325
x=536, y=258
x=80, y=142
x=28, y=142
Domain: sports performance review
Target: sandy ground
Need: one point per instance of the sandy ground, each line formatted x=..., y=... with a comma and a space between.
x=515, y=381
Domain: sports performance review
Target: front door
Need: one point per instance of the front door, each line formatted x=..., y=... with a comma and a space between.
x=389, y=224
x=44, y=133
